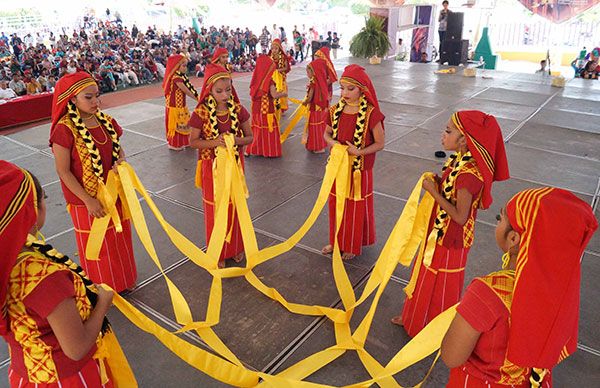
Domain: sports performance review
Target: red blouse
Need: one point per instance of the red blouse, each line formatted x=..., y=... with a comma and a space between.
x=176, y=97
x=256, y=102
x=347, y=126
x=455, y=233
x=40, y=303
x=198, y=122
x=63, y=136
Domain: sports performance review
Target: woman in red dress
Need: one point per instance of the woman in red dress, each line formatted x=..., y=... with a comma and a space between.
x=317, y=98
x=53, y=316
x=218, y=113
x=513, y=326
x=221, y=57
x=265, y=125
x=357, y=122
x=177, y=86
x=323, y=53
x=282, y=64
x=85, y=143
x=466, y=184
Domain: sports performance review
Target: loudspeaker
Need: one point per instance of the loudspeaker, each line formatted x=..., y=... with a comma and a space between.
x=455, y=52
x=455, y=26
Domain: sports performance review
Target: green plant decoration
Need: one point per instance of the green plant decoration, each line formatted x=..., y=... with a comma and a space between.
x=371, y=40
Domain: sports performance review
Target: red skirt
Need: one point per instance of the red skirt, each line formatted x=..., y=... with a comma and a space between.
x=116, y=264
x=235, y=245
x=316, y=129
x=266, y=143
x=438, y=288
x=358, y=223
x=178, y=140
x=459, y=378
x=88, y=376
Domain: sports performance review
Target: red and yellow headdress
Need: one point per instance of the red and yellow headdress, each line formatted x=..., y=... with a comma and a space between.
x=212, y=74
x=323, y=53
x=173, y=64
x=485, y=142
x=357, y=76
x=555, y=227
x=18, y=214
x=217, y=53
x=261, y=78
x=68, y=86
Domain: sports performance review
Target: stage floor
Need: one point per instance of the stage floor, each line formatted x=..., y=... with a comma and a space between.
x=552, y=138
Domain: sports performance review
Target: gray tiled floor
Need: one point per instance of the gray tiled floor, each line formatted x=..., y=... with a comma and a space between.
x=553, y=138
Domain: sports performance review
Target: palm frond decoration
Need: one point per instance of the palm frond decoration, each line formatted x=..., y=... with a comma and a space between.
x=371, y=40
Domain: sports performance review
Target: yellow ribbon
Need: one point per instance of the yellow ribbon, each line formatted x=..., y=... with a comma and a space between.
x=230, y=186
x=107, y=195
x=300, y=113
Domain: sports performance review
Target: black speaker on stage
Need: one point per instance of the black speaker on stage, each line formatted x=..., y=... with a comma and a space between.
x=455, y=52
x=455, y=26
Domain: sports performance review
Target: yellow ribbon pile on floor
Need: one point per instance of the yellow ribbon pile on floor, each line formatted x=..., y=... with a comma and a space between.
x=230, y=186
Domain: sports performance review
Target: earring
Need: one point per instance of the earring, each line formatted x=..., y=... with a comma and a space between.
x=505, y=260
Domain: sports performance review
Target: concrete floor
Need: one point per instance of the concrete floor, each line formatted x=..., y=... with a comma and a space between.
x=552, y=138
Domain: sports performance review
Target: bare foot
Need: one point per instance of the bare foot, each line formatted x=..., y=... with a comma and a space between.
x=319, y=151
x=397, y=320
x=347, y=256
x=327, y=249
x=221, y=264
x=239, y=257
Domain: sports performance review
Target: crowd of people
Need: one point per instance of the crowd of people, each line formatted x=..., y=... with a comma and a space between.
x=118, y=56
x=491, y=341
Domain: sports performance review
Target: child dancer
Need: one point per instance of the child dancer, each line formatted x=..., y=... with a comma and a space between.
x=282, y=64
x=513, y=326
x=318, y=100
x=465, y=186
x=177, y=86
x=216, y=114
x=265, y=125
x=85, y=142
x=357, y=122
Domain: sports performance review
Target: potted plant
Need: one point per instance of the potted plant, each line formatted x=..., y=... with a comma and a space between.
x=371, y=42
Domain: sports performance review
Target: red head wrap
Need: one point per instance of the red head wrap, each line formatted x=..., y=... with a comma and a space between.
x=212, y=73
x=173, y=64
x=356, y=75
x=68, y=86
x=320, y=91
x=323, y=53
x=217, y=53
x=261, y=78
x=555, y=227
x=18, y=214
x=484, y=140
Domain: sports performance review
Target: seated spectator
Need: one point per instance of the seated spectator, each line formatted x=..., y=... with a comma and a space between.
x=6, y=93
x=51, y=83
x=424, y=57
x=32, y=85
x=542, y=69
x=591, y=70
x=17, y=85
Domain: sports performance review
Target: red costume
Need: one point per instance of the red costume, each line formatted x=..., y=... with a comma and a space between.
x=323, y=53
x=233, y=245
x=358, y=223
x=176, y=111
x=318, y=106
x=264, y=121
x=116, y=264
x=282, y=64
x=528, y=318
x=438, y=285
x=31, y=288
x=215, y=60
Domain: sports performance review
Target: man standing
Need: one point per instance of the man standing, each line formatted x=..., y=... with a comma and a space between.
x=443, y=20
